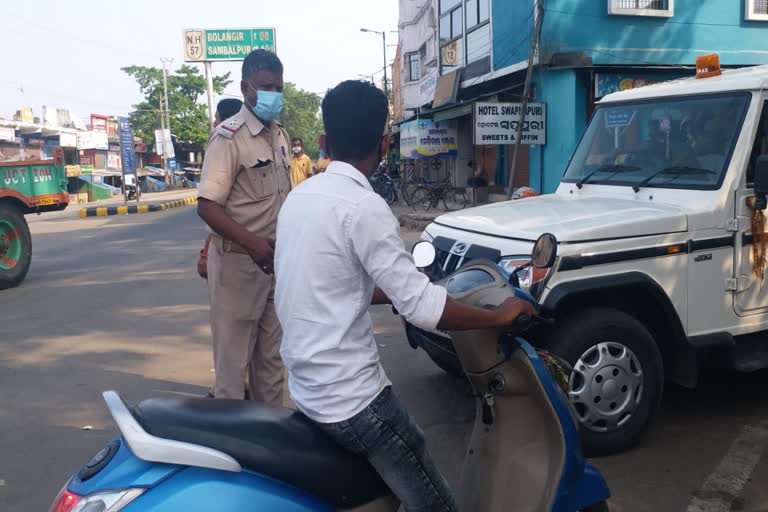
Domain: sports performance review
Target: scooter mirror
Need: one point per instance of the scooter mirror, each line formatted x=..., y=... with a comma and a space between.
x=544, y=251
x=424, y=254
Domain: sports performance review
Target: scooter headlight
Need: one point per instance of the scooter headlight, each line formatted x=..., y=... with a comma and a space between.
x=112, y=501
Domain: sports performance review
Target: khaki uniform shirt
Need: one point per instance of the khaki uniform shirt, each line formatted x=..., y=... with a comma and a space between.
x=246, y=170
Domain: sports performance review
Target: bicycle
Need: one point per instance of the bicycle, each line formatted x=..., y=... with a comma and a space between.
x=383, y=185
x=430, y=195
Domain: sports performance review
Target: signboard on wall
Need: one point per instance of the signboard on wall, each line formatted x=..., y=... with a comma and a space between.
x=427, y=88
x=608, y=83
x=7, y=134
x=99, y=123
x=446, y=89
x=202, y=45
x=425, y=138
x=92, y=140
x=497, y=123
x=68, y=139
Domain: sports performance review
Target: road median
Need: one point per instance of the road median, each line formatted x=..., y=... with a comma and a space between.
x=104, y=211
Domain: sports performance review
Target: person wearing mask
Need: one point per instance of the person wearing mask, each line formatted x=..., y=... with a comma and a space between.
x=339, y=251
x=322, y=162
x=301, y=165
x=224, y=110
x=244, y=182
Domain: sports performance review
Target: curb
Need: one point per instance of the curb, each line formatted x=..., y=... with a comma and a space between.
x=104, y=211
x=417, y=221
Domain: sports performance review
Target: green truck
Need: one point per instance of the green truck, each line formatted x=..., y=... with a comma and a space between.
x=26, y=186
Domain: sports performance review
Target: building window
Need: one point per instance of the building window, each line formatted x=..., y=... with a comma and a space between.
x=479, y=43
x=661, y=8
x=478, y=29
x=756, y=10
x=413, y=67
x=451, y=30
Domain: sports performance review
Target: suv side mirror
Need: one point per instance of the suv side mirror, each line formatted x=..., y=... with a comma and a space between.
x=761, y=182
x=544, y=251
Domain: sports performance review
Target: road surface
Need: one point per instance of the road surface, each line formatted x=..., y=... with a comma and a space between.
x=115, y=303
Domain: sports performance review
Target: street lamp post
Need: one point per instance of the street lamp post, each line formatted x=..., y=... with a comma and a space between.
x=384, y=41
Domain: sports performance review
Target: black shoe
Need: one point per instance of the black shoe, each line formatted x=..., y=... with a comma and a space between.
x=209, y=395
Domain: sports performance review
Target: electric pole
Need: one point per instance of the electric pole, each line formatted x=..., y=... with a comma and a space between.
x=165, y=89
x=539, y=7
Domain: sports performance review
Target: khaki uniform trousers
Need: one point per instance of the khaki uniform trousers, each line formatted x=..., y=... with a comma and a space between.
x=245, y=328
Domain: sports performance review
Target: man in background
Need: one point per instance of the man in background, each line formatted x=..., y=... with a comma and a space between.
x=322, y=162
x=226, y=109
x=301, y=165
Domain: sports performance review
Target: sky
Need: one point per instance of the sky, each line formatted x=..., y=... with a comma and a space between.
x=68, y=54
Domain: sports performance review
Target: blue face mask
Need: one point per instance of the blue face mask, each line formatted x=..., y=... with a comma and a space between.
x=268, y=106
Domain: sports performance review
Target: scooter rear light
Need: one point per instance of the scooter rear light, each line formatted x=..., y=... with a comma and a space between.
x=113, y=501
x=66, y=501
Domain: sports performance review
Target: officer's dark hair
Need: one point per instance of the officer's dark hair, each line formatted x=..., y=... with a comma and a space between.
x=261, y=60
x=297, y=139
x=228, y=107
x=354, y=116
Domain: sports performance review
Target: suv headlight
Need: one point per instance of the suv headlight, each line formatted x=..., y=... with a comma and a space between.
x=528, y=277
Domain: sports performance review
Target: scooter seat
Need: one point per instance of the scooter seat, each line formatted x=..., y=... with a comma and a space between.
x=277, y=442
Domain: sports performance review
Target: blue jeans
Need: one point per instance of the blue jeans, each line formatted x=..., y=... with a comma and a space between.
x=388, y=437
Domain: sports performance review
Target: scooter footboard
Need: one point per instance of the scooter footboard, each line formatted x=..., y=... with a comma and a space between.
x=516, y=452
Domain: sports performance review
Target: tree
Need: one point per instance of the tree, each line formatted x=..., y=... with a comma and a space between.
x=301, y=117
x=186, y=86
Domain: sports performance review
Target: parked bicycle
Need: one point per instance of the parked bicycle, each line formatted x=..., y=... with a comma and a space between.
x=383, y=185
x=430, y=195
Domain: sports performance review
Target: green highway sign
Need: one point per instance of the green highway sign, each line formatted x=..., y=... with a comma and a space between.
x=201, y=45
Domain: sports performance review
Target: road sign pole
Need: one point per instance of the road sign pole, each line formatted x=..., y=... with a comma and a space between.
x=209, y=81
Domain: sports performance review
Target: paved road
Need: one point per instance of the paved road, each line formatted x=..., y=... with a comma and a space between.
x=114, y=303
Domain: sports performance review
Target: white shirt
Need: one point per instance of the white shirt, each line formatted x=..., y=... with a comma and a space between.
x=336, y=241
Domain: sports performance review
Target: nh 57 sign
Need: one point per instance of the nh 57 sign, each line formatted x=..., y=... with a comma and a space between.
x=202, y=45
x=497, y=123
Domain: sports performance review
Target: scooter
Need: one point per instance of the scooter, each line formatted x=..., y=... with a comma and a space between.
x=201, y=455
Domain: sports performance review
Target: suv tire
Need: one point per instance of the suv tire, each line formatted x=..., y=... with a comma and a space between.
x=618, y=377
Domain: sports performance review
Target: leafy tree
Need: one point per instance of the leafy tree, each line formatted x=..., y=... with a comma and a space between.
x=186, y=87
x=301, y=117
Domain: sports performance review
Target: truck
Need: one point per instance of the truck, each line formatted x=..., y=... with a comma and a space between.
x=26, y=186
x=660, y=228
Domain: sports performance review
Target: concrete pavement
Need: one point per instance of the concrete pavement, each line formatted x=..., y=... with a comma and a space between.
x=115, y=303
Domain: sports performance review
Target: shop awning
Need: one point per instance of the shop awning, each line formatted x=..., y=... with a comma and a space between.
x=453, y=113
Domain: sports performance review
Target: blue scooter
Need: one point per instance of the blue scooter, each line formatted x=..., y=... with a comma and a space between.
x=197, y=455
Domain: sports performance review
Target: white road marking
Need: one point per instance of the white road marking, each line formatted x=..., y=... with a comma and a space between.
x=725, y=484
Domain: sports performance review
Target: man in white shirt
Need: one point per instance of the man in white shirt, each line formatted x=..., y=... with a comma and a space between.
x=339, y=251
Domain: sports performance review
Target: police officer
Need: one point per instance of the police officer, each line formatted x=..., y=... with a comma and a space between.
x=244, y=182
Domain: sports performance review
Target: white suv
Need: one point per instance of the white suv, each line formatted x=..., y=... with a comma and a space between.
x=655, y=273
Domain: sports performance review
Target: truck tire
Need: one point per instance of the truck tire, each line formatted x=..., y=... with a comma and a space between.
x=617, y=380
x=15, y=246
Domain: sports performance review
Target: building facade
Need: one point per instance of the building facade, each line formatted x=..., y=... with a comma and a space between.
x=587, y=49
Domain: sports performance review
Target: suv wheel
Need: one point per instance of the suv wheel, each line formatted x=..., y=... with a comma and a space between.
x=617, y=380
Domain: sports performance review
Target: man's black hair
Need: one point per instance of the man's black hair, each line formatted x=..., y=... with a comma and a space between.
x=228, y=107
x=261, y=60
x=297, y=139
x=354, y=116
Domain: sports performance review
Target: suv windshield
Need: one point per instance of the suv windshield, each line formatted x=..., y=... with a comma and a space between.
x=670, y=143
